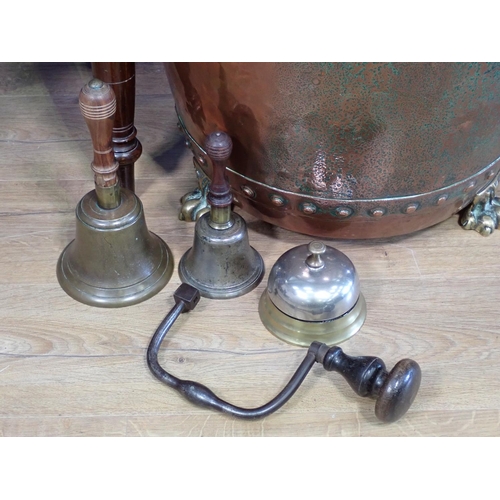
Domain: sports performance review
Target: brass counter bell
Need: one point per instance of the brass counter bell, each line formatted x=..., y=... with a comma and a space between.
x=114, y=260
x=313, y=295
x=221, y=263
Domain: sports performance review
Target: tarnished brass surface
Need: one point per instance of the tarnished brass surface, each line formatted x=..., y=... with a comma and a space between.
x=303, y=333
x=483, y=215
x=108, y=197
x=221, y=218
x=347, y=150
x=114, y=260
x=221, y=263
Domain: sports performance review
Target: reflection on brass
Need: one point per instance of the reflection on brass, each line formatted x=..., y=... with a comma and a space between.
x=221, y=217
x=343, y=211
x=194, y=204
x=309, y=208
x=248, y=191
x=377, y=212
x=277, y=200
x=299, y=332
x=483, y=215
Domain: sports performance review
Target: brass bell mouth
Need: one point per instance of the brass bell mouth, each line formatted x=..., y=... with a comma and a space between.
x=114, y=260
x=303, y=333
x=221, y=264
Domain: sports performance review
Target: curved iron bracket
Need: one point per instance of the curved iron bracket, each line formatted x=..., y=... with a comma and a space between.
x=394, y=391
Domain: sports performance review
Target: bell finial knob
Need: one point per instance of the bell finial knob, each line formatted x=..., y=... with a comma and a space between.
x=316, y=249
x=219, y=146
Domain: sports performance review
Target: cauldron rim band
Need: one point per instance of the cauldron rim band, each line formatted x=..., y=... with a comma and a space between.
x=312, y=198
x=366, y=200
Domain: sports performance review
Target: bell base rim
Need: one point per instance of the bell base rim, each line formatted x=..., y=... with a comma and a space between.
x=214, y=292
x=134, y=293
x=302, y=333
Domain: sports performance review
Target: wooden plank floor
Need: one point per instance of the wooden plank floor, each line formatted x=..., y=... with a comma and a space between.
x=74, y=370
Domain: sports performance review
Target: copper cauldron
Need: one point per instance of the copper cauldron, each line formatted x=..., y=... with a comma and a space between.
x=358, y=150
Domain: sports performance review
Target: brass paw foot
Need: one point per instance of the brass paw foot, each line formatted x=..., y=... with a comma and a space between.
x=483, y=215
x=194, y=204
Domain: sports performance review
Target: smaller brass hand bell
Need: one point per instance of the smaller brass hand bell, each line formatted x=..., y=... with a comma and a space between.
x=221, y=263
x=114, y=260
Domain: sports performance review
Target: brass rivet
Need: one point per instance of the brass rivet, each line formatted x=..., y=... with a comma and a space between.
x=489, y=175
x=179, y=126
x=442, y=199
x=412, y=207
x=279, y=201
x=187, y=143
x=248, y=191
x=309, y=208
x=469, y=187
x=377, y=212
x=201, y=160
x=343, y=211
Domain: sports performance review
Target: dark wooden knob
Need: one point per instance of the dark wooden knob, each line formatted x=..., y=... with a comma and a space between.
x=98, y=107
x=398, y=390
x=367, y=375
x=219, y=146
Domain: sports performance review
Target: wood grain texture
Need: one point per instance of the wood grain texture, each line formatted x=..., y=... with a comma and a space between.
x=72, y=370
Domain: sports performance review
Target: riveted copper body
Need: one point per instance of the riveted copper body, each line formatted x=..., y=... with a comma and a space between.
x=357, y=150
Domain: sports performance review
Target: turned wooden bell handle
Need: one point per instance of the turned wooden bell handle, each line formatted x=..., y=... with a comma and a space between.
x=98, y=107
x=219, y=146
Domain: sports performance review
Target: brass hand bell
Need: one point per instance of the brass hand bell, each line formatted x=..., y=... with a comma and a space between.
x=114, y=260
